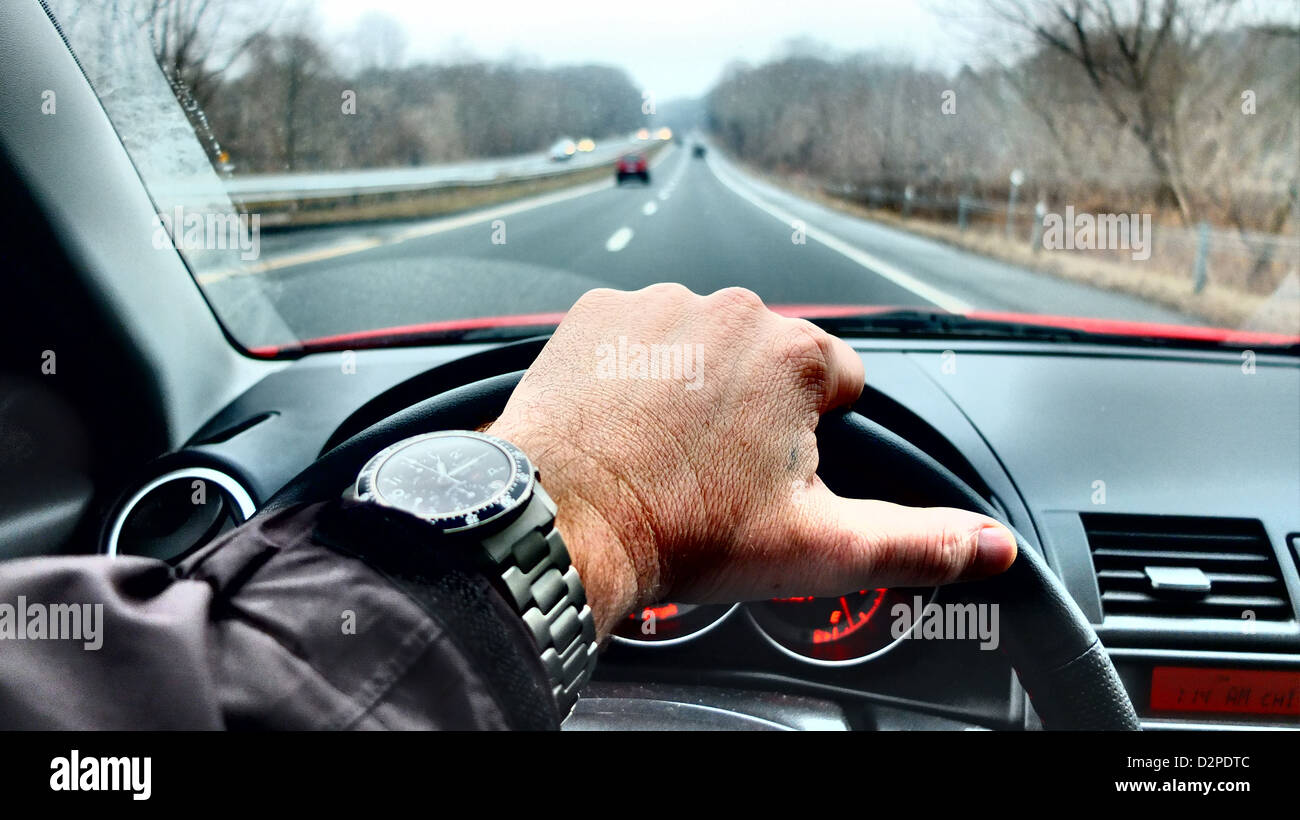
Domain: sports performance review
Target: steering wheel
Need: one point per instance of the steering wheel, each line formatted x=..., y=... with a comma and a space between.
x=1056, y=654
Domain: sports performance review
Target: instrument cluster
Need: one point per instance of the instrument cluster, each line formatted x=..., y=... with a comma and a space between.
x=835, y=631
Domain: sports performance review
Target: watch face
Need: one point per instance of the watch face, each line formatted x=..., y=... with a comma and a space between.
x=455, y=480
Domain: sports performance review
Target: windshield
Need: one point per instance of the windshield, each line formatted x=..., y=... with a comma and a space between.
x=340, y=174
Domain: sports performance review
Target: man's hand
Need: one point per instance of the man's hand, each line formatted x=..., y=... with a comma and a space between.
x=701, y=486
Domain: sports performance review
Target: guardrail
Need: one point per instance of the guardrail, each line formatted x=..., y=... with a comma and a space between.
x=1248, y=259
x=295, y=200
x=277, y=188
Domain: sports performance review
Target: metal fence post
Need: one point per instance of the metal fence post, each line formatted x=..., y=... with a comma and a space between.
x=1036, y=240
x=908, y=193
x=1202, y=255
x=1017, y=179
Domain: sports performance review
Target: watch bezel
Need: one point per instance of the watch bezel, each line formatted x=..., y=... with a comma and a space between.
x=518, y=489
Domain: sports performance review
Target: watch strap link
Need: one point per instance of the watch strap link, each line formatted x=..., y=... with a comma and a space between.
x=542, y=584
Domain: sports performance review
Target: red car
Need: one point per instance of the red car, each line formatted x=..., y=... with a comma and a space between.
x=632, y=166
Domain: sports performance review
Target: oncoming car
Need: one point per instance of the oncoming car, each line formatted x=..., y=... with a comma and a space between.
x=563, y=149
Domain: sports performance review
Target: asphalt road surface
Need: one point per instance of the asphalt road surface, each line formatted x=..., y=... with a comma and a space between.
x=701, y=221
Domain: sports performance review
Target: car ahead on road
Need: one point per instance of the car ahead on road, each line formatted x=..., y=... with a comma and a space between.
x=699, y=150
x=632, y=166
x=563, y=149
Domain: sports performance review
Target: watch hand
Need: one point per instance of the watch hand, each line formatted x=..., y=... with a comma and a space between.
x=465, y=465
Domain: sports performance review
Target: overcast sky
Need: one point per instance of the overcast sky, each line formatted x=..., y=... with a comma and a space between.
x=671, y=47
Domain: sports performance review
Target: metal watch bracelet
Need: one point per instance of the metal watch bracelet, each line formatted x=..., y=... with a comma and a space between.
x=543, y=586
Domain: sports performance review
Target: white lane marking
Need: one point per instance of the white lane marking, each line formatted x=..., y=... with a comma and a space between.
x=671, y=184
x=872, y=263
x=434, y=226
x=649, y=209
x=475, y=217
x=619, y=240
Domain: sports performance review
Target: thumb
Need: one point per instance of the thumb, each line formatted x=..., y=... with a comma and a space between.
x=876, y=543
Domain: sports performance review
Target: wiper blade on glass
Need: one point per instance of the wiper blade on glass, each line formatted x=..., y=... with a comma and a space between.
x=990, y=325
x=921, y=323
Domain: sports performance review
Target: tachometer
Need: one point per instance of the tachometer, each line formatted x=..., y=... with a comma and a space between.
x=836, y=631
x=670, y=623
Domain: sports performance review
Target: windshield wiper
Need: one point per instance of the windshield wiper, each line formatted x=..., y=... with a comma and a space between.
x=937, y=324
x=922, y=323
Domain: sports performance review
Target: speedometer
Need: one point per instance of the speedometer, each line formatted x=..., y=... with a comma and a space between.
x=835, y=631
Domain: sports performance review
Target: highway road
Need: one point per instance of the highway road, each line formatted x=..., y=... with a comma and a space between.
x=702, y=222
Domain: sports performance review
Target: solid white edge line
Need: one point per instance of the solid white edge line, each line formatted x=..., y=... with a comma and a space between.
x=872, y=263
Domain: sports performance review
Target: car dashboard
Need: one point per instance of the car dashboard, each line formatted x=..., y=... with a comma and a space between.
x=1162, y=486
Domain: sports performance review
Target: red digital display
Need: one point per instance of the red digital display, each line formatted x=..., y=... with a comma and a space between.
x=1240, y=691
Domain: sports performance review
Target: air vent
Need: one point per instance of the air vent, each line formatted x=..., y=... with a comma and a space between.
x=175, y=514
x=1183, y=567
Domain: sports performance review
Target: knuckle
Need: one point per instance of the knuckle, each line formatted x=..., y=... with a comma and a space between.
x=946, y=554
x=739, y=298
x=818, y=337
x=668, y=290
x=806, y=351
x=597, y=296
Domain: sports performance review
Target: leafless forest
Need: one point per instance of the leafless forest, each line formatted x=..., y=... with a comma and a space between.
x=1180, y=107
x=267, y=91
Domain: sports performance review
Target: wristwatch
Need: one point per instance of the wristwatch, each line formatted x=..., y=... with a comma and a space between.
x=481, y=492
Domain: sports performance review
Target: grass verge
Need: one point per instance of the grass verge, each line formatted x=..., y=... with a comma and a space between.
x=1217, y=304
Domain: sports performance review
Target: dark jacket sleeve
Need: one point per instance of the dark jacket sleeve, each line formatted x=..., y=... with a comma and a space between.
x=307, y=618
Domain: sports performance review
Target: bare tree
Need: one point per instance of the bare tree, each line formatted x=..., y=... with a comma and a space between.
x=196, y=41
x=1138, y=57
